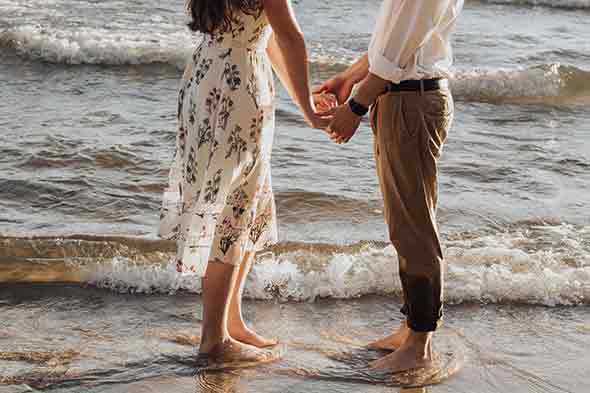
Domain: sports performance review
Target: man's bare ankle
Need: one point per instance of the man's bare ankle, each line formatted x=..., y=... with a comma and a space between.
x=421, y=344
x=420, y=337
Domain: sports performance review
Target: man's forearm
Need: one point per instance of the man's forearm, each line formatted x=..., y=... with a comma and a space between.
x=371, y=88
x=359, y=70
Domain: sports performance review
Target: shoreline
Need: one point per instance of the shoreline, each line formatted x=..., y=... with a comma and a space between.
x=101, y=341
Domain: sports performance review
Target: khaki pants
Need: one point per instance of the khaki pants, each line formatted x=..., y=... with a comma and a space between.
x=410, y=130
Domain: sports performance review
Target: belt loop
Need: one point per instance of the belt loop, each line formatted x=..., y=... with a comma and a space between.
x=421, y=87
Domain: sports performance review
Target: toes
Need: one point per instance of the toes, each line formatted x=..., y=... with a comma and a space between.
x=269, y=342
x=251, y=338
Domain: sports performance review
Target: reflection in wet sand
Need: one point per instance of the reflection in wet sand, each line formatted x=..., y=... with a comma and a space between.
x=217, y=381
x=414, y=390
x=52, y=358
x=70, y=339
x=353, y=362
x=240, y=359
x=181, y=339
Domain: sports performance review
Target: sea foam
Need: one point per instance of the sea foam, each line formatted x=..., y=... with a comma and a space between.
x=104, y=47
x=548, y=265
x=101, y=47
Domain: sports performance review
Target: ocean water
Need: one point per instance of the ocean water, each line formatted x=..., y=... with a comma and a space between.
x=87, y=128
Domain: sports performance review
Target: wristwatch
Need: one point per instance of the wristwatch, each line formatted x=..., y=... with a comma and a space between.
x=356, y=108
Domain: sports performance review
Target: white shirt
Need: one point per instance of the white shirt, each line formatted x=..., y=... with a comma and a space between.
x=412, y=39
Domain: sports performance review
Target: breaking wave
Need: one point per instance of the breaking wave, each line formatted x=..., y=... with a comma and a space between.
x=103, y=47
x=537, y=264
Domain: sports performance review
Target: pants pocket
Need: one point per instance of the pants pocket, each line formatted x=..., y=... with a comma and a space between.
x=408, y=118
x=439, y=118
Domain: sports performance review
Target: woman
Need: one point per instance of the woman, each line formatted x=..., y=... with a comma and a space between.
x=219, y=205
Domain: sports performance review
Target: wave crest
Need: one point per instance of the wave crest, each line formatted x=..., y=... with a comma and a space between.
x=544, y=264
x=96, y=47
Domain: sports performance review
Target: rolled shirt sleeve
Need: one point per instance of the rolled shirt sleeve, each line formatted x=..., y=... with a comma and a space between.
x=403, y=28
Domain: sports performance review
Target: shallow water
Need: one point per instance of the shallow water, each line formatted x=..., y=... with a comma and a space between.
x=105, y=342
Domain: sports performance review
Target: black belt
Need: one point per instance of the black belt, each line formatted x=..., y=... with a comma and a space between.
x=418, y=85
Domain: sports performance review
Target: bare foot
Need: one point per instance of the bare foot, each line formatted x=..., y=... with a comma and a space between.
x=245, y=335
x=393, y=341
x=415, y=352
x=234, y=352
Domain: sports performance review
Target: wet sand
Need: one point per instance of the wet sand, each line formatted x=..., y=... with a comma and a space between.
x=70, y=339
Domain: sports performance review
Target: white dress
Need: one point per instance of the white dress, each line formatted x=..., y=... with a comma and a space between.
x=219, y=202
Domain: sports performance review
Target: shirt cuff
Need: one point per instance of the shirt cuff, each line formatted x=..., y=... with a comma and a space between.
x=385, y=69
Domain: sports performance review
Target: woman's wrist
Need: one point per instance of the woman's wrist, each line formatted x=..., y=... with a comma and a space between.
x=308, y=107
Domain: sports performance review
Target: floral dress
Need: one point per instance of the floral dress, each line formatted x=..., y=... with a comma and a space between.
x=219, y=202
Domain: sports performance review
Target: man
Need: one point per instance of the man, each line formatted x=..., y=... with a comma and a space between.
x=403, y=79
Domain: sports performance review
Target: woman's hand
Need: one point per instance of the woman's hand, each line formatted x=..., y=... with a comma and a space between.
x=314, y=114
x=324, y=102
x=341, y=86
x=319, y=122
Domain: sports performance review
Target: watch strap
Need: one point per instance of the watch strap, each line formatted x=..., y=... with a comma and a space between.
x=356, y=108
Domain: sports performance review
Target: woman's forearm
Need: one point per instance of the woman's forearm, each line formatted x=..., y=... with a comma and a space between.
x=278, y=64
x=289, y=56
x=289, y=60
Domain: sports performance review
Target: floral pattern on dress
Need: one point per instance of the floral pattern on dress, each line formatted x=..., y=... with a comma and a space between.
x=227, y=106
x=180, y=102
x=236, y=144
x=226, y=54
x=191, y=167
x=205, y=133
x=219, y=202
x=252, y=88
x=213, y=148
x=232, y=76
x=229, y=234
x=212, y=101
x=181, y=140
x=202, y=70
x=260, y=224
x=212, y=189
x=238, y=201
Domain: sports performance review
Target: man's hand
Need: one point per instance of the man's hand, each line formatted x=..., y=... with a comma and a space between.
x=344, y=124
x=340, y=85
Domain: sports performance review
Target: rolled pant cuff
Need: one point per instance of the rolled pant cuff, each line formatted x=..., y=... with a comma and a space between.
x=423, y=327
x=426, y=325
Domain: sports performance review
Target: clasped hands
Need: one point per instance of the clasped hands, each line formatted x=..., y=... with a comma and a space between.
x=330, y=102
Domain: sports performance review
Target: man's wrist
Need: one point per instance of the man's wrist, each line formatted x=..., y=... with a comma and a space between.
x=357, y=108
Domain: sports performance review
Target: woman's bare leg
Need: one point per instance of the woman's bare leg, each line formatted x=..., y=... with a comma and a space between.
x=236, y=325
x=218, y=286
